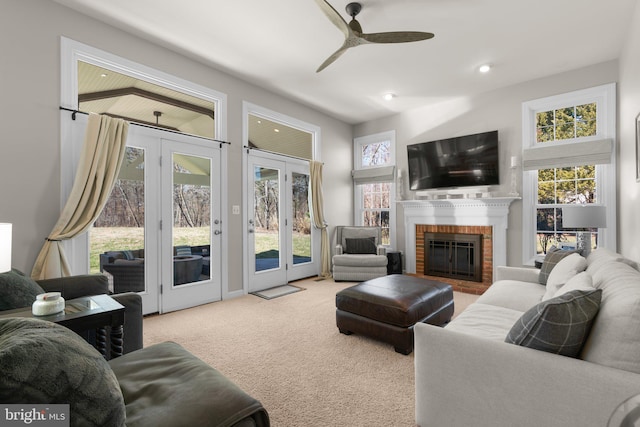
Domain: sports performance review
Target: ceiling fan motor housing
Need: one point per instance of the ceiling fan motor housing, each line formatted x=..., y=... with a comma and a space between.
x=353, y=9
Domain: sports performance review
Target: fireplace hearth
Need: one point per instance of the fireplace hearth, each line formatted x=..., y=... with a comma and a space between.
x=453, y=255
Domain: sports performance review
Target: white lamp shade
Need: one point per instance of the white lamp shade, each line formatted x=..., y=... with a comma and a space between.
x=5, y=247
x=584, y=216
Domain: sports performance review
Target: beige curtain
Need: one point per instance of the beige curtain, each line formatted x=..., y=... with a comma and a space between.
x=100, y=160
x=318, y=217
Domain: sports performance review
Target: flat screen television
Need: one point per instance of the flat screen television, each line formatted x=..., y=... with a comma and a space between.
x=464, y=161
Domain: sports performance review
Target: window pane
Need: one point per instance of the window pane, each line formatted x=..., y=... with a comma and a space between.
x=376, y=204
x=118, y=232
x=586, y=191
x=546, y=175
x=191, y=217
x=565, y=131
x=301, y=235
x=588, y=171
x=586, y=119
x=565, y=191
x=546, y=195
x=566, y=173
x=566, y=123
x=377, y=154
x=544, y=119
x=564, y=115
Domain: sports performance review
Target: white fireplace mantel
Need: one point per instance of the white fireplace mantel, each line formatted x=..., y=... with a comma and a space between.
x=490, y=211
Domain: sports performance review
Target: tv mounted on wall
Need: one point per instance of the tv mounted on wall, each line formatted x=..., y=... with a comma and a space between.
x=464, y=161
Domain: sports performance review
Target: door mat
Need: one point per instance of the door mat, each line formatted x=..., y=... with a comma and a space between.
x=276, y=292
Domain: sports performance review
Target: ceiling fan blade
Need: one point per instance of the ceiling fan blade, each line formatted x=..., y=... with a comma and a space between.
x=333, y=57
x=397, y=37
x=335, y=17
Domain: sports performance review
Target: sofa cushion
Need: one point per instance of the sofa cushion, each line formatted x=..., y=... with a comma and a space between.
x=564, y=270
x=602, y=256
x=17, y=290
x=513, y=294
x=43, y=362
x=365, y=245
x=559, y=325
x=552, y=258
x=485, y=321
x=580, y=282
x=615, y=337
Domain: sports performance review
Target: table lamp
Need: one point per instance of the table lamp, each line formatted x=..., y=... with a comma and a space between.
x=584, y=216
x=5, y=247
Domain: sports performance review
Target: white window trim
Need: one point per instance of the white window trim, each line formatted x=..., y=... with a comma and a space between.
x=71, y=52
x=358, y=143
x=605, y=97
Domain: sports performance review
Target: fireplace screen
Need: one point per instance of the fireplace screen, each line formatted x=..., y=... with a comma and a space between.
x=456, y=256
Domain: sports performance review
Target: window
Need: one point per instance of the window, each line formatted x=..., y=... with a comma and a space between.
x=373, y=175
x=558, y=187
x=567, y=159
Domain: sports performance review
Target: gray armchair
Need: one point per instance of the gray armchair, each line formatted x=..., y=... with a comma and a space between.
x=359, y=254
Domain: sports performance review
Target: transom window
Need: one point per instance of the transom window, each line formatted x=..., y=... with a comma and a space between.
x=376, y=154
x=566, y=123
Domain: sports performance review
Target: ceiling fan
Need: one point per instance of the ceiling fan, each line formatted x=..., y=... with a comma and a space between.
x=355, y=37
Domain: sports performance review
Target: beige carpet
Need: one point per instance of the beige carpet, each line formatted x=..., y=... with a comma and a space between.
x=288, y=353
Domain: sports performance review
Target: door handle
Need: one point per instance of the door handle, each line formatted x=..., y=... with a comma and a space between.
x=216, y=232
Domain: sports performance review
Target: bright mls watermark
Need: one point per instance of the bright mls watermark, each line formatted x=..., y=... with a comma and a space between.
x=34, y=415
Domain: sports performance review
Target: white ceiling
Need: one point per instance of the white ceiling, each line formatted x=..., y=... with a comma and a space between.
x=279, y=44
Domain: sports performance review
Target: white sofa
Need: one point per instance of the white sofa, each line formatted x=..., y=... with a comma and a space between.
x=467, y=375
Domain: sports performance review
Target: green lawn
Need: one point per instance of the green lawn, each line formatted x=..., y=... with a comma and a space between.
x=105, y=239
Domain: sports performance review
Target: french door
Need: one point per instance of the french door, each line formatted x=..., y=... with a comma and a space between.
x=191, y=226
x=282, y=242
x=160, y=232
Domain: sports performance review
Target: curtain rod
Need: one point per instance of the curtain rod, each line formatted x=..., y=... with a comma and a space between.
x=74, y=112
x=273, y=152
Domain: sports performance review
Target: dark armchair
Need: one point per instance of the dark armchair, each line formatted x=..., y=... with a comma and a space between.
x=18, y=290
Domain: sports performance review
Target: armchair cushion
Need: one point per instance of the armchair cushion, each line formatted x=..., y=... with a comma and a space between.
x=17, y=290
x=81, y=285
x=165, y=385
x=361, y=246
x=43, y=362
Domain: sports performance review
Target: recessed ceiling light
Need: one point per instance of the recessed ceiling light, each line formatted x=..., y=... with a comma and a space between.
x=388, y=96
x=276, y=130
x=103, y=75
x=484, y=68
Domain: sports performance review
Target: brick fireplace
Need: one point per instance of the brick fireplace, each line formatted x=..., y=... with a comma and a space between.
x=461, y=285
x=485, y=216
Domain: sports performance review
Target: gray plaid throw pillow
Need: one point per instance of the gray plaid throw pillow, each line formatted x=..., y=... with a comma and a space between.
x=559, y=325
x=552, y=258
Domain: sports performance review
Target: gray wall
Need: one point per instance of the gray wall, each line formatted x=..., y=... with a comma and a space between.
x=30, y=143
x=629, y=107
x=500, y=109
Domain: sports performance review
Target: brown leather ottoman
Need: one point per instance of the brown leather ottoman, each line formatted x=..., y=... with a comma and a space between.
x=386, y=308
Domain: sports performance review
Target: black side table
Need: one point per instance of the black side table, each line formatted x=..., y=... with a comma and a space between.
x=394, y=262
x=83, y=314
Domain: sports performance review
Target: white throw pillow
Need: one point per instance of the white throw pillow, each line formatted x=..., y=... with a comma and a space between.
x=580, y=282
x=567, y=268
